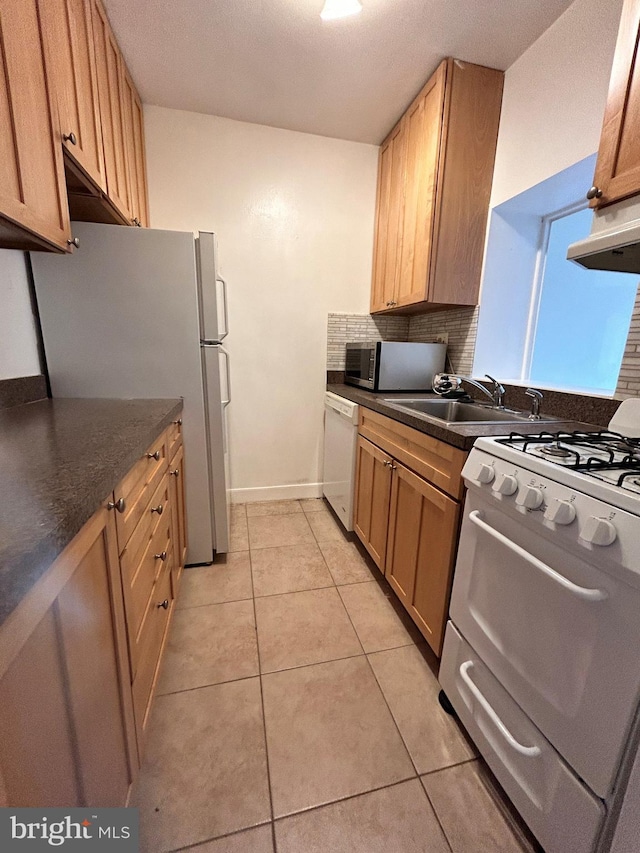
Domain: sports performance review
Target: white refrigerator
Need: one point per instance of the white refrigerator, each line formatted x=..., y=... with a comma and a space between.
x=136, y=312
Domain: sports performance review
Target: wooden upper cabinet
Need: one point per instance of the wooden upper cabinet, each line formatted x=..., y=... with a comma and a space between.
x=71, y=66
x=112, y=100
x=617, y=173
x=442, y=183
x=134, y=135
x=388, y=239
x=33, y=206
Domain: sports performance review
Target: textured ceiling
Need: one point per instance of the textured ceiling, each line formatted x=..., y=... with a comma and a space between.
x=275, y=62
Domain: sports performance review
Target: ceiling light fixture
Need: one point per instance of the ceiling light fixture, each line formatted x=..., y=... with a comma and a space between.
x=333, y=9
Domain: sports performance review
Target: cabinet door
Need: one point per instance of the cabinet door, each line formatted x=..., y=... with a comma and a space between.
x=179, y=537
x=423, y=531
x=32, y=189
x=424, y=132
x=112, y=113
x=373, y=491
x=72, y=66
x=93, y=643
x=617, y=172
x=388, y=229
x=68, y=735
x=134, y=135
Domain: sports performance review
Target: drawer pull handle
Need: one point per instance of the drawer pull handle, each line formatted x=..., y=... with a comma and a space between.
x=529, y=751
x=161, y=556
x=157, y=509
x=120, y=505
x=155, y=455
x=579, y=591
x=175, y=473
x=70, y=137
x=164, y=604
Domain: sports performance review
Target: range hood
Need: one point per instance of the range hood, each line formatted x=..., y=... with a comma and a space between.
x=614, y=242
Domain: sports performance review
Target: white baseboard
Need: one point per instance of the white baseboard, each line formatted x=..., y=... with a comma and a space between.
x=277, y=493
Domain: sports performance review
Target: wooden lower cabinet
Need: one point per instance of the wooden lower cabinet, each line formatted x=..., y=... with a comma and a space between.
x=80, y=656
x=423, y=526
x=67, y=715
x=408, y=526
x=178, y=509
x=373, y=491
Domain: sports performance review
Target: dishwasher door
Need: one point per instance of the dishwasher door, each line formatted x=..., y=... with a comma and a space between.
x=340, y=436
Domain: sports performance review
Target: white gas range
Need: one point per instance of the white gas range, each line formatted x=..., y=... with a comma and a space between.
x=541, y=659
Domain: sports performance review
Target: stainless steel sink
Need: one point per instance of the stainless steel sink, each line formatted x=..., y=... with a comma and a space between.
x=453, y=412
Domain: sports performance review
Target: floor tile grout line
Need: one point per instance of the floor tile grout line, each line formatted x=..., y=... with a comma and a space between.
x=264, y=716
x=435, y=811
x=212, y=604
x=213, y=684
x=347, y=798
x=197, y=844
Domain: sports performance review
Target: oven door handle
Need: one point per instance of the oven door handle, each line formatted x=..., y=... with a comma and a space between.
x=528, y=751
x=475, y=516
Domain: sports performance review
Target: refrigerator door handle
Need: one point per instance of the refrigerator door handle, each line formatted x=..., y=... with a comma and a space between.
x=227, y=358
x=225, y=306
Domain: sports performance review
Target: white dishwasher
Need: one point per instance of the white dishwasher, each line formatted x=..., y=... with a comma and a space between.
x=340, y=437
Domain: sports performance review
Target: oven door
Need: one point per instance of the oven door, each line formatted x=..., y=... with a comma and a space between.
x=559, y=634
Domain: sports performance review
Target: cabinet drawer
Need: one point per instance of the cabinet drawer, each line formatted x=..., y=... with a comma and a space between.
x=157, y=509
x=439, y=463
x=137, y=486
x=174, y=438
x=149, y=647
x=139, y=581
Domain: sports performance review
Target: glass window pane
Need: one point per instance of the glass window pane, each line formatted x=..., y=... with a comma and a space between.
x=584, y=316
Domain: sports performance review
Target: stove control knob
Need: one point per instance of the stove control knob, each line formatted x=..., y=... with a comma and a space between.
x=530, y=497
x=598, y=531
x=506, y=484
x=560, y=512
x=485, y=473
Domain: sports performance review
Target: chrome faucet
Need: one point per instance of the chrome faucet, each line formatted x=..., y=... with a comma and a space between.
x=536, y=400
x=444, y=382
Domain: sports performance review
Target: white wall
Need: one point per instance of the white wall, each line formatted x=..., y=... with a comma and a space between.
x=554, y=98
x=294, y=218
x=18, y=342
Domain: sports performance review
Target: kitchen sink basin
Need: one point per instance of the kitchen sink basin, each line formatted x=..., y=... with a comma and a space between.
x=454, y=412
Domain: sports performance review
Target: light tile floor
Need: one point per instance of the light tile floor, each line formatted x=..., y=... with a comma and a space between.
x=297, y=710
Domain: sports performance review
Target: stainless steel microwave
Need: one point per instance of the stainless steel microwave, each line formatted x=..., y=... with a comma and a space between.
x=393, y=365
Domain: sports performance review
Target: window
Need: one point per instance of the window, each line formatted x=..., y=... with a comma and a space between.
x=544, y=320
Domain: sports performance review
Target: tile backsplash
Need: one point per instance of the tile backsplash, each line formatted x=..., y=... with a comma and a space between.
x=360, y=327
x=460, y=324
x=629, y=378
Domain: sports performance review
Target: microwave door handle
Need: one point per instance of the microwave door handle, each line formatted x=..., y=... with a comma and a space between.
x=475, y=516
x=225, y=307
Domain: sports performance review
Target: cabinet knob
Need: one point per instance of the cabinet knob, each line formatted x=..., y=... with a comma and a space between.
x=178, y=422
x=157, y=509
x=164, y=604
x=136, y=222
x=70, y=137
x=594, y=192
x=175, y=473
x=161, y=556
x=155, y=455
x=118, y=505
x=75, y=241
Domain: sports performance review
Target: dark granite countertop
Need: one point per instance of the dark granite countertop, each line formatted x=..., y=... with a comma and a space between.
x=59, y=460
x=460, y=435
